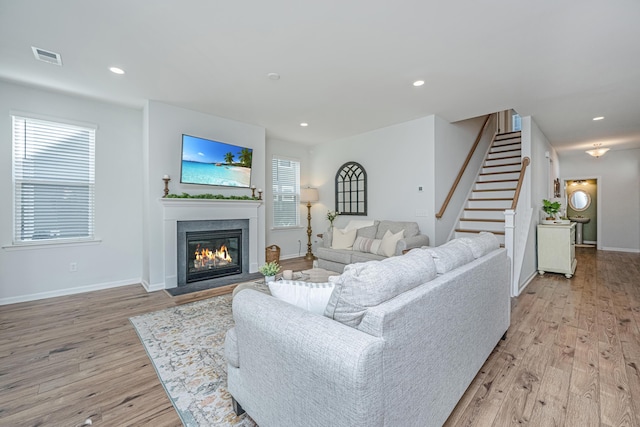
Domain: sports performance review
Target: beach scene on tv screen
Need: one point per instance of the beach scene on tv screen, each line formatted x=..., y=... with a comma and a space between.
x=215, y=163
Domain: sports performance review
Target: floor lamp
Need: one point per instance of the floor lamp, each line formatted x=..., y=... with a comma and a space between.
x=308, y=195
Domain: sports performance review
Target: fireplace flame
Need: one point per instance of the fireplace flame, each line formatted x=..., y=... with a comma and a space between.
x=214, y=258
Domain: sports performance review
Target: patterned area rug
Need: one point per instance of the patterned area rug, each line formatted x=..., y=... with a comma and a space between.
x=186, y=346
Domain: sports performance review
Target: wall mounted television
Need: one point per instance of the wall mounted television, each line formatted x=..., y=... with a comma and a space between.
x=209, y=162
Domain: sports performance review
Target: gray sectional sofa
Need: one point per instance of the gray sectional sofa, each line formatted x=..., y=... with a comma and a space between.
x=336, y=259
x=399, y=343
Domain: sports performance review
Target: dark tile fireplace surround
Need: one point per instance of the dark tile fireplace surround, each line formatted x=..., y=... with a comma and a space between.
x=209, y=270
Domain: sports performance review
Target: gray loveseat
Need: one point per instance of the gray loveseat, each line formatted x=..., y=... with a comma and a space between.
x=400, y=341
x=336, y=259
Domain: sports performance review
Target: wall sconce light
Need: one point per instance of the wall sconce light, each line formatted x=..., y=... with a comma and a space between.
x=597, y=151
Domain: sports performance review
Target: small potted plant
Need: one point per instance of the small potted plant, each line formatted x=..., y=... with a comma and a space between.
x=269, y=270
x=551, y=209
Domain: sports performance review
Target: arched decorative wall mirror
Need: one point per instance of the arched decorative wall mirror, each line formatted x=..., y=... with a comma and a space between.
x=579, y=200
x=351, y=189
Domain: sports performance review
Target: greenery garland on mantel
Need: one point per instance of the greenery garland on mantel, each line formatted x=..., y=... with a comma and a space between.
x=209, y=196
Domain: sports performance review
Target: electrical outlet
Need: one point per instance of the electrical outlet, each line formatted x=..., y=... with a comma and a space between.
x=73, y=267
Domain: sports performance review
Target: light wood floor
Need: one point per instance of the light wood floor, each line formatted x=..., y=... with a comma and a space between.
x=571, y=357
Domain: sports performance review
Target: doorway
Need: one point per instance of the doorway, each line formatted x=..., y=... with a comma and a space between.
x=582, y=202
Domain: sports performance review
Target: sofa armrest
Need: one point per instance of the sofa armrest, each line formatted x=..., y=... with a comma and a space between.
x=326, y=237
x=295, y=365
x=411, y=242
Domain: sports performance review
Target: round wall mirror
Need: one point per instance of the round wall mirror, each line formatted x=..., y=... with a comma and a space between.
x=579, y=200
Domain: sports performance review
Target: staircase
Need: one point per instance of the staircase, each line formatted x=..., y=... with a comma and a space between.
x=495, y=188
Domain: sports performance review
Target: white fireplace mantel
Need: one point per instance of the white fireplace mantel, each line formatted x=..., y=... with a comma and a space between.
x=174, y=210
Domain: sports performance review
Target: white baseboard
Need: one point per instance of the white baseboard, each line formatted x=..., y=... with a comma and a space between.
x=69, y=291
x=153, y=288
x=526, y=282
x=631, y=250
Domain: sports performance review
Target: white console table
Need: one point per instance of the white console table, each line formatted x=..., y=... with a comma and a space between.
x=557, y=249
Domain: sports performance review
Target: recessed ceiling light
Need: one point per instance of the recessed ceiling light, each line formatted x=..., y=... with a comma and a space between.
x=595, y=119
x=116, y=70
x=418, y=83
x=274, y=76
x=304, y=125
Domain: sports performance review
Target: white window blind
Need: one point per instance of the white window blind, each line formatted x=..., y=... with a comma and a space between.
x=54, y=180
x=286, y=192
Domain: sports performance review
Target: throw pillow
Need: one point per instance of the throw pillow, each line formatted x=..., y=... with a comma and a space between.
x=343, y=239
x=389, y=242
x=367, y=284
x=310, y=296
x=364, y=244
x=481, y=245
x=449, y=256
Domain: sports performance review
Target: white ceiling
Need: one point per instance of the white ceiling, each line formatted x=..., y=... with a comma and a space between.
x=346, y=66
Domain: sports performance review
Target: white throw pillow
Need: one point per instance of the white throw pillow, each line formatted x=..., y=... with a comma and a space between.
x=482, y=244
x=389, y=242
x=450, y=256
x=313, y=297
x=343, y=239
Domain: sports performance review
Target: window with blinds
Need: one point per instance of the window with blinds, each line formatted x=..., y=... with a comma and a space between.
x=54, y=180
x=286, y=192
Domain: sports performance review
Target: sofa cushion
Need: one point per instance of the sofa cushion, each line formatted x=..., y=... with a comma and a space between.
x=366, y=256
x=389, y=242
x=343, y=239
x=368, y=232
x=368, y=284
x=356, y=224
x=482, y=244
x=312, y=297
x=410, y=228
x=449, y=256
x=342, y=256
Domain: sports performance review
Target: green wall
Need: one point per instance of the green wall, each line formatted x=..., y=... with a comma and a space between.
x=589, y=230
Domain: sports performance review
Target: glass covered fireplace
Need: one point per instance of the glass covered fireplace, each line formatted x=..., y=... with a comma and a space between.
x=212, y=254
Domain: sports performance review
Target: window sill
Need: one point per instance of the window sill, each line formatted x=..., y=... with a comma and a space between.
x=293, y=227
x=51, y=245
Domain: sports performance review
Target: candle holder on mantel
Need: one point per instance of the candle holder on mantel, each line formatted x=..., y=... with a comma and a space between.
x=253, y=191
x=166, y=180
x=259, y=194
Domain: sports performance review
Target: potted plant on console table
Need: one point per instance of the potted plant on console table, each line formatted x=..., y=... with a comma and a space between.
x=269, y=270
x=552, y=209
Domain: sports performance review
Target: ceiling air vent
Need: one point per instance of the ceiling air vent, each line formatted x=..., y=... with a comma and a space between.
x=47, y=56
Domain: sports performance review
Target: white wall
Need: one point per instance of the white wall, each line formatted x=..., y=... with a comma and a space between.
x=452, y=144
x=43, y=271
x=292, y=241
x=426, y=152
x=398, y=159
x=541, y=170
x=162, y=141
x=618, y=187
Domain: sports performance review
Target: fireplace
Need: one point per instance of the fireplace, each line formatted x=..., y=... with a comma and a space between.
x=212, y=254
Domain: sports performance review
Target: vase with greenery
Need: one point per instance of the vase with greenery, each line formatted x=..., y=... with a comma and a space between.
x=269, y=270
x=550, y=208
x=331, y=216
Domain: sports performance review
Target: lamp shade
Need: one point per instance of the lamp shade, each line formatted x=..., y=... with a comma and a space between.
x=308, y=195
